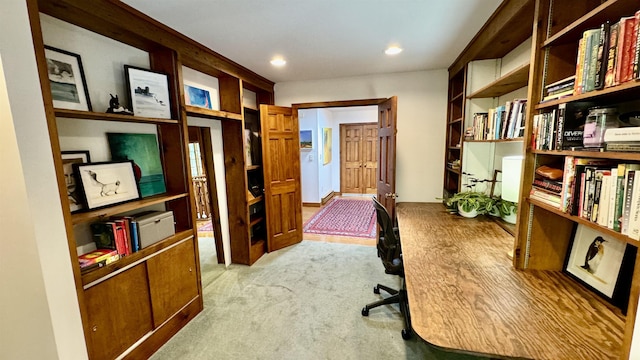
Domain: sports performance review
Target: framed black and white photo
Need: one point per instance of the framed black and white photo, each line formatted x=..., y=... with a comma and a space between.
x=67, y=81
x=149, y=92
x=601, y=262
x=107, y=183
x=73, y=191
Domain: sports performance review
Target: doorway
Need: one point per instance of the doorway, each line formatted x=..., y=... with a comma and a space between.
x=358, y=159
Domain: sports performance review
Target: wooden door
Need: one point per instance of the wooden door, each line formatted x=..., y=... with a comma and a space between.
x=281, y=162
x=386, y=175
x=358, y=165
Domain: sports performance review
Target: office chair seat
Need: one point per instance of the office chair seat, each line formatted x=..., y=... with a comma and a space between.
x=390, y=252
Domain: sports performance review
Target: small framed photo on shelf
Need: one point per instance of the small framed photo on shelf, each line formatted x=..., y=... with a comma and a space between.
x=73, y=192
x=602, y=263
x=67, y=81
x=196, y=96
x=306, y=139
x=107, y=183
x=149, y=92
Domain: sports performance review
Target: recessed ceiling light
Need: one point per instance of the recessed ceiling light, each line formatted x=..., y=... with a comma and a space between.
x=393, y=50
x=278, y=61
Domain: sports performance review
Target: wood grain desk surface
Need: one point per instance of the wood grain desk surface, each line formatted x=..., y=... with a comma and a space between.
x=465, y=294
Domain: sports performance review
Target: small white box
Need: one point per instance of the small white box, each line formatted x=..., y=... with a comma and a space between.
x=154, y=227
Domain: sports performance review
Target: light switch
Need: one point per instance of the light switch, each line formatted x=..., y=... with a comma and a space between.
x=310, y=157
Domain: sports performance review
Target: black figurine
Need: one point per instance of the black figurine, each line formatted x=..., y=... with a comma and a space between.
x=116, y=108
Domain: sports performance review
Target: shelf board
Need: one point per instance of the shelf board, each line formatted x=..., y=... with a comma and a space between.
x=585, y=222
x=455, y=120
x=138, y=256
x=255, y=200
x=511, y=81
x=622, y=92
x=253, y=167
x=98, y=214
x=255, y=221
x=496, y=141
x=456, y=97
x=455, y=147
x=455, y=171
x=610, y=10
x=591, y=154
x=91, y=115
x=211, y=114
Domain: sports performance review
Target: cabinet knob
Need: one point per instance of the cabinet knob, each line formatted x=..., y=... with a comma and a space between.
x=94, y=328
x=190, y=269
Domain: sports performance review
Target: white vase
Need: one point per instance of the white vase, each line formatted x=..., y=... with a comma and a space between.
x=467, y=214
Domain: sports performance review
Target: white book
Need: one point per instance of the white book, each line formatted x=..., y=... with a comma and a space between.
x=634, y=217
x=613, y=189
x=622, y=134
x=603, y=207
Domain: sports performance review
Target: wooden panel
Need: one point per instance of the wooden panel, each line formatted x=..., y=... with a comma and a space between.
x=460, y=283
x=370, y=158
x=386, y=174
x=511, y=81
x=119, y=313
x=351, y=162
x=550, y=236
x=173, y=280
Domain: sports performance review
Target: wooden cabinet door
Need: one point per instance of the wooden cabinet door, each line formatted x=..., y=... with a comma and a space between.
x=358, y=162
x=281, y=162
x=386, y=176
x=173, y=280
x=369, y=158
x=119, y=313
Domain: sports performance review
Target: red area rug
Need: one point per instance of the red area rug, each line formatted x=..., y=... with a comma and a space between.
x=344, y=217
x=208, y=226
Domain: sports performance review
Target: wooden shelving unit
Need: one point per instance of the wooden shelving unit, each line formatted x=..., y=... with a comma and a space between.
x=509, y=82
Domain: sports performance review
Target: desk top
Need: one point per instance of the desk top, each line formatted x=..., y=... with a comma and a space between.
x=465, y=294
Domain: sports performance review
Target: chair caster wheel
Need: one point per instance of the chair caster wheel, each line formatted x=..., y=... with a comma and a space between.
x=365, y=312
x=376, y=290
x=406, y=335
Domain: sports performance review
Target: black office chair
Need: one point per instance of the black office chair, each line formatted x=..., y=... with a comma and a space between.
x=390, y=253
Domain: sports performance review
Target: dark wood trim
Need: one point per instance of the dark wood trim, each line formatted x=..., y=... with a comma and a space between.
x=345, y=103
x=329, y=196
x=311, y=204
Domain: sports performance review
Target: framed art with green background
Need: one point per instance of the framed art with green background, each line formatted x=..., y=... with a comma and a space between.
x=143, y=150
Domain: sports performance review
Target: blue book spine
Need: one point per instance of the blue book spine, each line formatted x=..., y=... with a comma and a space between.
x=135, y=237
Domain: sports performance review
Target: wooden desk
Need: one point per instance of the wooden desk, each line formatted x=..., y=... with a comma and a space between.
x=465, y=294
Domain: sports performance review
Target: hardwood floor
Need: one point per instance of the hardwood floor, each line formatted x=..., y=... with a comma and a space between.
x=309, y=211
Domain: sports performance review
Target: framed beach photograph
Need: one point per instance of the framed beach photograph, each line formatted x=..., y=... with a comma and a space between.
x=107, y=183
x=602, y=263
x=74, y=194
x=196, y=96
x=306, y=140
x=149, y=92
x=144, y=151
x=67, y=81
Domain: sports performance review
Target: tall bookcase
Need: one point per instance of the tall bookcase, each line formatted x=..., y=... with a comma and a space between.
x=544, y=233
x=132, y=306
x=455, y=133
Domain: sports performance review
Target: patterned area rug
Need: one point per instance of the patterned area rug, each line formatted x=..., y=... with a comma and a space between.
x=344, y=217
x=208, y=226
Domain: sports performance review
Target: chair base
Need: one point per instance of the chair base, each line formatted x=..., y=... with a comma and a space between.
x=397, y=297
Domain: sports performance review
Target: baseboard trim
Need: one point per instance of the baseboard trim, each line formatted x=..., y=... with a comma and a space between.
x=330, y=196
x=311, y=204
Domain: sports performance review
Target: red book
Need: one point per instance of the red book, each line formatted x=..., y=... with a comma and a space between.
x=625, y=56
x=123, y=229
x=96, y=256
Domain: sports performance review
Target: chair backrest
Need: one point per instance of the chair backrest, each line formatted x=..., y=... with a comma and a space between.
x=388, y=241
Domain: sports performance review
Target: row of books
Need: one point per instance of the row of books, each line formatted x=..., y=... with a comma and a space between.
x=559, y=88
x=608, y=56
x=504, y=122
x=602, y=192
x=560, y=129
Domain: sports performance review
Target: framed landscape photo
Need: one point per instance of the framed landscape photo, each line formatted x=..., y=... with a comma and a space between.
x=67, y=81
x=306, y=140
x=74, y=194
x=149, y=92
x=196, y=96
x=602, y=263
x=107, y=183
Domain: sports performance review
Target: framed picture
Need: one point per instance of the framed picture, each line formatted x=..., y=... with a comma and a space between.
x=602, y=263
x=67, y=81
x=197, y=97
x=306, y=140
x=73, y=192
x=326, y=143
x=149, y=92
x=107, y=183
x=143, y=150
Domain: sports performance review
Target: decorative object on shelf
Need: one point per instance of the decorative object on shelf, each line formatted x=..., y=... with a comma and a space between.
x=511, y=172
x=149, y=92
x=247, y=147
x=116, y=108
x=549, y=172
x=143, y=151
x=471, y=203
x=68, y=159
x=598, y=121
x=603, y=263
x=66, y=77
x=196, y=96
x=326, y=143
x=306, y=139
x=107, y=183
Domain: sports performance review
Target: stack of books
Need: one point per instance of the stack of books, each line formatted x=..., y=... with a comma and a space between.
x=622, y=139
x=559, y=88
x=546, y=191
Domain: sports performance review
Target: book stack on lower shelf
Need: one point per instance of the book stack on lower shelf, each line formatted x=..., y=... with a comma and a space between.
x=504, y=122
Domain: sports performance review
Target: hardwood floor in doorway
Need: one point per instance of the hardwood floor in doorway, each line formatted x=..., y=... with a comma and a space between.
x=309, y=211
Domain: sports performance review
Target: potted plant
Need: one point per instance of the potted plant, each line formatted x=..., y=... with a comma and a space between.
x=470, y=203
x=508, y=211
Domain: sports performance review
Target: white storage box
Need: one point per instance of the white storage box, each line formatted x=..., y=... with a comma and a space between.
x=154, y=227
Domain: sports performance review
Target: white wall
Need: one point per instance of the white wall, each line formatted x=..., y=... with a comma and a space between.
x=422, y=108
x=308, y=120
x=325, y=171
x=45, y=228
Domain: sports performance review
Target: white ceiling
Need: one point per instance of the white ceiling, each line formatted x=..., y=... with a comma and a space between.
x=327, y=38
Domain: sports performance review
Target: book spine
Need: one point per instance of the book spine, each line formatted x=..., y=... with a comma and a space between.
x=601, y=61
x=545, y=195
x=636, y=71
x=628, y=195
x=567, y=179
x=613, y=190
x=560, y=127
x=620, y=50
x=633, y=38
x=580, y=65
x=589, y=192
x=603, y=205
x=619, y=198
x=581, y=196
x=548, y=185
x=634, y=216
x=592, y=69
x=609, y=78
x=624, y=134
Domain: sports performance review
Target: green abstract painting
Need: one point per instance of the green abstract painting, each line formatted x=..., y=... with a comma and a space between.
x=143, y=150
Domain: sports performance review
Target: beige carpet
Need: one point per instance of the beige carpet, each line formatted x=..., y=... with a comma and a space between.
x=302, y=302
